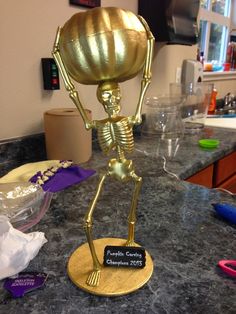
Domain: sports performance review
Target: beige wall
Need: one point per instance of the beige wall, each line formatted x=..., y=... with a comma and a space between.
x=224, y=86
x=27, y=31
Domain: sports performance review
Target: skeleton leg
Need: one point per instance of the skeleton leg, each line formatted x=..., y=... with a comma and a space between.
x=132, y=213
x=94, y=276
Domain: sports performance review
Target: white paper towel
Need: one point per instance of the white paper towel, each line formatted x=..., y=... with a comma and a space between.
x=16, y=248
x=66, y=136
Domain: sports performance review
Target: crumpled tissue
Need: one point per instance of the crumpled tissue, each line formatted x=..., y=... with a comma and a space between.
x=17, y=249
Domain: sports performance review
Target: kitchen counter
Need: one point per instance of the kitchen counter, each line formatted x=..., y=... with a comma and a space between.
x=175, y=223
x=184, y=157
x=221, y=122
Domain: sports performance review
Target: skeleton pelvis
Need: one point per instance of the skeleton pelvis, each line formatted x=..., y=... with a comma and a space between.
x=121, y=169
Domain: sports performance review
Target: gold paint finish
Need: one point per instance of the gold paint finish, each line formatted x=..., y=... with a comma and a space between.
x=115, y=281
x=105, y=46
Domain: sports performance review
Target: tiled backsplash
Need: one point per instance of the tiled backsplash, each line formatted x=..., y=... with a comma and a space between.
x=16, y=152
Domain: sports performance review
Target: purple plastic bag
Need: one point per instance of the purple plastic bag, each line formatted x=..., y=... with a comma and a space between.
x=63, y=178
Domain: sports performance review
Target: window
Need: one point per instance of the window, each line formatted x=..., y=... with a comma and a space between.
x=214, y=28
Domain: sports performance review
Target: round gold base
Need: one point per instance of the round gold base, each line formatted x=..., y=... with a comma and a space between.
x=114, y=281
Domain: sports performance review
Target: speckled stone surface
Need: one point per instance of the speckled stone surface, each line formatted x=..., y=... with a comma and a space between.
x=175, y=223
x=16, y=152
x=184, y=157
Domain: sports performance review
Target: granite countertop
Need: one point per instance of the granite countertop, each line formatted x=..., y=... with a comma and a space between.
x=184, y=157
x=175, y=223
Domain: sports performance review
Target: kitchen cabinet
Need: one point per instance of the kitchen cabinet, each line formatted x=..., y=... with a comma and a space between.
x=221, y=174
x=203, y=177
x=172, y=21
x=229, y=184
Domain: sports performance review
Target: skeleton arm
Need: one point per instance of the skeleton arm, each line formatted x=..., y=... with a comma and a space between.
x=73, y=94
x=146, y=80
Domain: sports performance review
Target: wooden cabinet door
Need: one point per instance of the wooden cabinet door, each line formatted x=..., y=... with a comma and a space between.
x=224, y=168
x=203, y=177
x=229, y=184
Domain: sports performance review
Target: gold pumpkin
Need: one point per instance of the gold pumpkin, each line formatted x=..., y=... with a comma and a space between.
x=103, y=44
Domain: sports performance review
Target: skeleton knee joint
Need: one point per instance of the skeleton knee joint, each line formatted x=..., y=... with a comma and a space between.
x=87, y=224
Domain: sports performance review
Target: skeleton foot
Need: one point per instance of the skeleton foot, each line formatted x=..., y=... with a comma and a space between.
x=93, y=278
x=130, y=243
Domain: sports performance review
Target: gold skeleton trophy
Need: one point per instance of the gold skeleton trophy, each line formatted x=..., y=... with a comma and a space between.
x=104, y=46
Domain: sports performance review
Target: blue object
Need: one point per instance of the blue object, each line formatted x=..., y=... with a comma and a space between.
x=229, y=115
x=217, y=67
x=226, y=211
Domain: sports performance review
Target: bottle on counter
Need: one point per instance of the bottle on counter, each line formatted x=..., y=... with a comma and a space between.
x=198, y=54
x=233, y=64
x=202, y=58
x=231, y=55
x=212, y=105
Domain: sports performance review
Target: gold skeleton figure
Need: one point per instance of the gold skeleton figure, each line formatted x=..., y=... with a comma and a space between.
x=114, y=133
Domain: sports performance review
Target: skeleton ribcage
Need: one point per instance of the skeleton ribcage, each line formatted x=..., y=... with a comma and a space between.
x=115, y=134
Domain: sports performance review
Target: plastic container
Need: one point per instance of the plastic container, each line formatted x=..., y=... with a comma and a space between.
x=23, y=203
x=226, y=66
x=208, y=67
x=163, y=118
x=209, y=143
x=195, y=107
